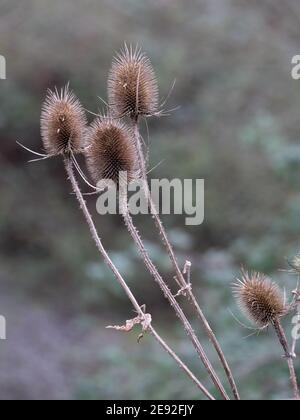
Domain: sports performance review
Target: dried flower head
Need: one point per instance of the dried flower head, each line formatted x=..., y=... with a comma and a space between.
x=110, y=150
x=63, y=123
x=295, y=264
x=259, y=298
x=132, y=85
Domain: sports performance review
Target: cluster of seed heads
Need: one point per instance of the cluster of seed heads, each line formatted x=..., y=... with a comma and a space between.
x=108, y=143
x=109, y=148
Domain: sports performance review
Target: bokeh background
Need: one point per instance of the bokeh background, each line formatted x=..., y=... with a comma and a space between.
x=237, y=127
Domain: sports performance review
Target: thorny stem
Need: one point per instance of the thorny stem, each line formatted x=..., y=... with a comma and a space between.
x=122, y=282
x=289, y=357
x=169, y=296
x=179, y=276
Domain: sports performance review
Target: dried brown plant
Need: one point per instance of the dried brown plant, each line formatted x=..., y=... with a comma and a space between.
x=126, y=102
x=259, y=298
x=63, y=123
x=110, y=150
x=144, y=318
x=263, y=302
x=132, y=85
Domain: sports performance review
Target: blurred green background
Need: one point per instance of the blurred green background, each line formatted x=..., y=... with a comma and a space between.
x=237, y=127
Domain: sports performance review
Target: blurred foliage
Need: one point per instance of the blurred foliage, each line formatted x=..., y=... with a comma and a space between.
x=237, y=127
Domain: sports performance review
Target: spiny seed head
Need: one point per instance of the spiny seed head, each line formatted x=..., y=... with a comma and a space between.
x=132, y=85
x=63, y=123
x=259, y=298
x=295, y=264
x=110, y=150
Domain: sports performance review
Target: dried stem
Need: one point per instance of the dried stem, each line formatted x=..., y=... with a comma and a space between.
x=179, y=276
x=289, y=357
x=122, y=282
x=297, y=304
x=169, y=296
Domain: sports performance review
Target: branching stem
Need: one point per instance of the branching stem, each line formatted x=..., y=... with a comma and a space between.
x=122, y=282
x=182, y=283
x=169, y=296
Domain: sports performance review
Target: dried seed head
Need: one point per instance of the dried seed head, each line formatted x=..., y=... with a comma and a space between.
x=132, y=85
x=63, y=123
x=110, y=150
x=259, y=298
x=295, y=264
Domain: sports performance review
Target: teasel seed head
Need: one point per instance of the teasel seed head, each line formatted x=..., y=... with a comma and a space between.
x=132, y=85
x=259, y=298
x=295, y=264
x=63, y=123
x=110, y=150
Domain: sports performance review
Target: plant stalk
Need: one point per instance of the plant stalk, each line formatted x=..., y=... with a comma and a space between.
x=179, y=276
x=289, y=357
x=169, y=296
x=122, y=282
